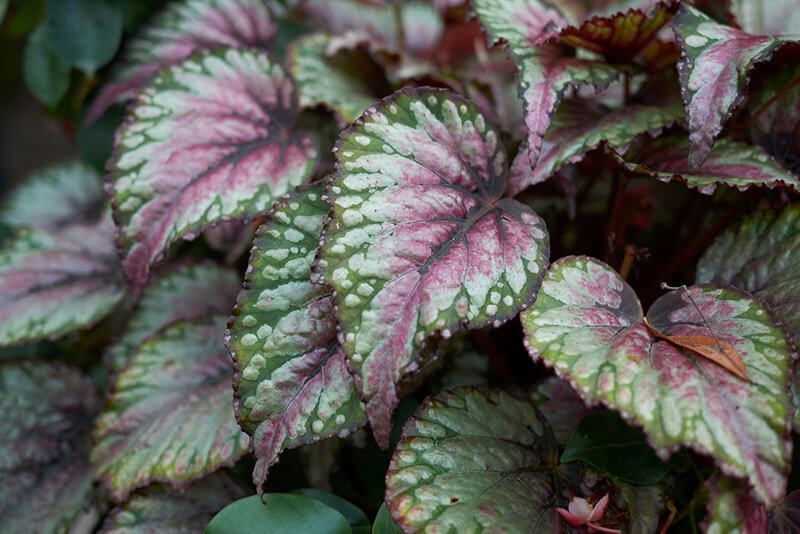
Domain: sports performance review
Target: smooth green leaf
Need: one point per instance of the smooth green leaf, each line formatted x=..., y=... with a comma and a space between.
x=84, y=33
x=46, y=75
x=358, y=520
x=96, y=140
x=384, y=524
x=280, y=513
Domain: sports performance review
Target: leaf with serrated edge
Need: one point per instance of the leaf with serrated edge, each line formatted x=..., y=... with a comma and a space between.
x=182, y=28
x=714, y=73
x=730, y=163
x=169, y=417
x=54, y=283
x=292, y=384
x=586, y=322
x=45, y=476
x=183, y=293
x=163, y=510
x=209, y=140
x=63, y=194
x=336, y=81
x=421, y=239
x=580, y=126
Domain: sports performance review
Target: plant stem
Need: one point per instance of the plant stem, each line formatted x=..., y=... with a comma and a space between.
x=615, y=228
x=401, y=30
x=627, y=261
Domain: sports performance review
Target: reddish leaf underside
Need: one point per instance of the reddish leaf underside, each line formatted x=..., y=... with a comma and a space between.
x=209, y=140
x=421, y=240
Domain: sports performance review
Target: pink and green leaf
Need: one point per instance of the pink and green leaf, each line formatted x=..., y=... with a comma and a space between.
x=182, y=28
x=714, y=73
x=586, y=323
x=169, y=417
x=292, y=384
x=45, y=476
x=52, y=283
x=210, y=139
x=421, y=240
x=184, y=293
x=730, y=163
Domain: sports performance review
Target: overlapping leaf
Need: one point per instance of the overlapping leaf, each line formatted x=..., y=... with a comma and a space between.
x=210, y=139
x=170, y=417
x=714, y=73
x=421, y=239
x=340, y=81
x=184, y=293
x=587, y=323
x=45, y=476
x=163, y=510
x=292, y=384
x=730, y=163
x=182, y=28
x=545, y=72
x=580, y=126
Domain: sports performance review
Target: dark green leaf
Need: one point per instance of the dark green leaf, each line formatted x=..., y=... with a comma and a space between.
x=358, y=520
x=384, y=524
x=45, y=75
x=84, y=33
x=96, y=140
x=606, y=442
x=280, y=513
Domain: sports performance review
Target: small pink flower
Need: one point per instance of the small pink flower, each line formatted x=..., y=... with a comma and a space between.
x=581, y=512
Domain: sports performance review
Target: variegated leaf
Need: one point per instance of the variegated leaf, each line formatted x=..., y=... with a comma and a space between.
x=162, y=510
x=52, y=283
x=730, y=163
x=580, y=126
x=210, y=139
x=587, y=323
x=169, y=417
x=292, y=384
x=421, y=239
x=766, y=17
x=184, y=293
x=545, y=72
x=45, y=476
x=183, y=27
x=55, y=197
x=340, y=81
x=714, y=73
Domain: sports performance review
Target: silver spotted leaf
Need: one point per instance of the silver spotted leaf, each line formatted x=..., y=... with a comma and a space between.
x=169, y=417
x=45, y=477
x=292, y=384
x=210, y=139
x=421, y=240
x=184, y=293
x=181, y=28
x=587, y=323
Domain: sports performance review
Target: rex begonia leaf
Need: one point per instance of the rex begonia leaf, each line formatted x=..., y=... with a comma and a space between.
x=52, y=283
x=765, y=17
x=730, y=163
x=45, y=477
x=57, y=196
x=210, y=139
x=163, y=510
x=580, y=126
x=714, y=73
x=586, y=323
x=421, y=239
x=169, y=417
x=337, y=80
x=184, y=293
x=545, y=71
x=183, y=27
x=292, y=384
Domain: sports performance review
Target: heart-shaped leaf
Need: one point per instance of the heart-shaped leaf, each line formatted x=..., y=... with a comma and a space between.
x=421, y=239
x=292, y=384
x=587, y=323
x=169, y=417
x=163, y=510
x=580, y=126
x=730, y=163
x=183, y=27
x=339, y=80
x=45, y=476
x=714, y=73
x=184, y=293
x=210, y=139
